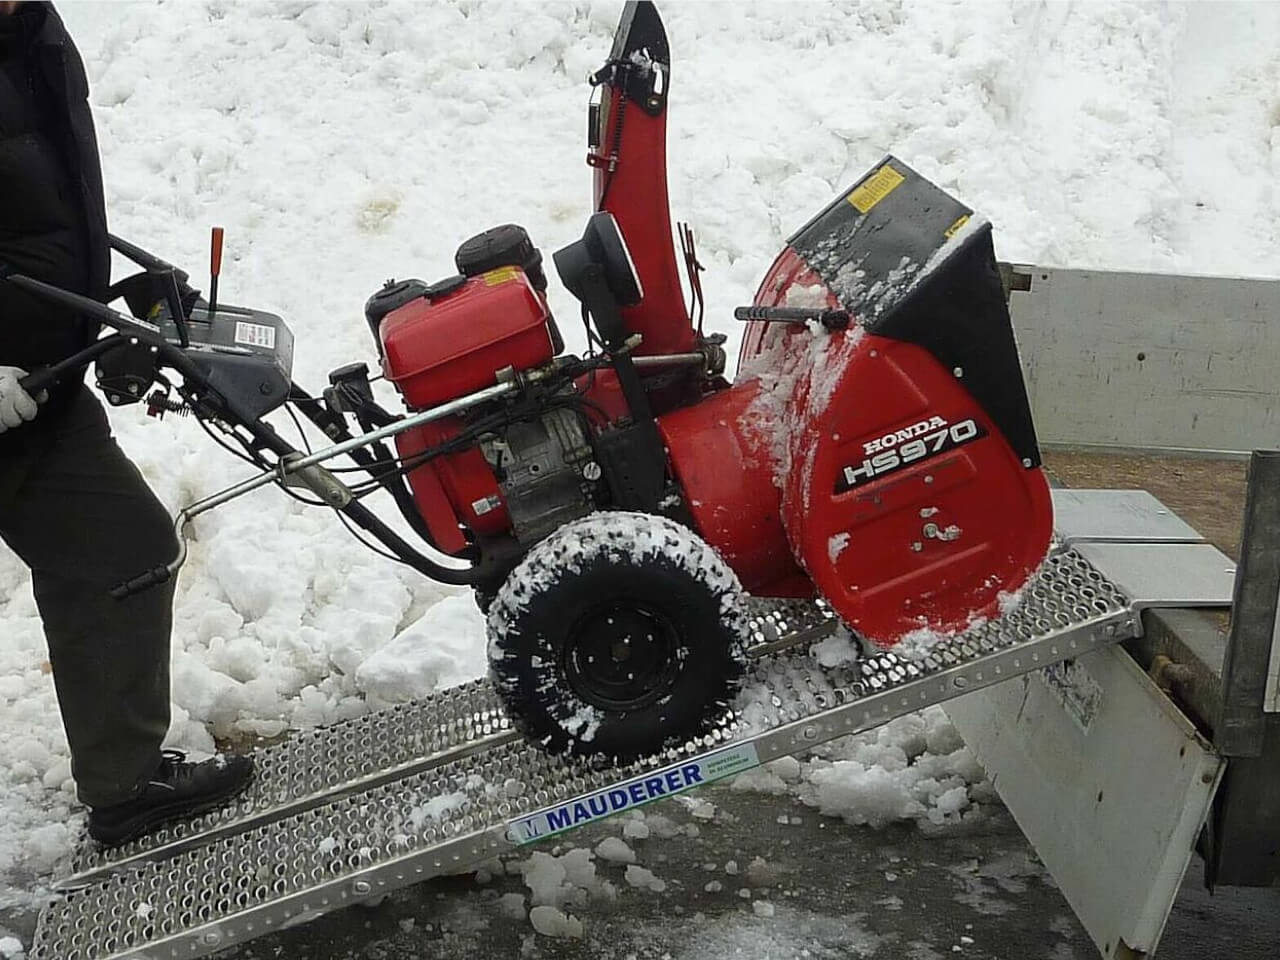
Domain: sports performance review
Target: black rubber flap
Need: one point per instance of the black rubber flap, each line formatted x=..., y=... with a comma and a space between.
x=912, y=263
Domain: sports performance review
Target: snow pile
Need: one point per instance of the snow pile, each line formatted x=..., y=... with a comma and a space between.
x=442, y=649
x=644, y=879
x=568, y=879
x=615, y=851
x=913, y=768
x=550, y=922
x=343, y=143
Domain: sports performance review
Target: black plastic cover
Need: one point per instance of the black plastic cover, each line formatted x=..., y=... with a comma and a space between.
x=911, y=263
x=245, y=355
x=392, y=296
x=507, y=245
x=640, y=59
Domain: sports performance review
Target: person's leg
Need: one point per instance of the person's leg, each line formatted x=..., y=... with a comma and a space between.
x=83, y=518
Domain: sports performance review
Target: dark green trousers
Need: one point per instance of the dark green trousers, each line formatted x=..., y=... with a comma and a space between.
x=80, y=515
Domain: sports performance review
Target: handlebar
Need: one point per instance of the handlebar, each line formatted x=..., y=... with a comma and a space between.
x=39, y=381
x=45, y=377
x=831, y=319
x=145, y=581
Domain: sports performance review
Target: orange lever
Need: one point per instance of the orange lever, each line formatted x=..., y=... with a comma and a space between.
x=215, y=268
x=215, y=258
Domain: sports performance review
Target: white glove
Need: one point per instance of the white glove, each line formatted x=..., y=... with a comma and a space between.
x=16, y=405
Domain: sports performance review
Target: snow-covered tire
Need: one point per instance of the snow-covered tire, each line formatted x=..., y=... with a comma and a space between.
x=618, y=635
x=483, y=599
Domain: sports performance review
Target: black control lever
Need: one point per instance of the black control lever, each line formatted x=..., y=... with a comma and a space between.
x=831, y=319
x=44, y=378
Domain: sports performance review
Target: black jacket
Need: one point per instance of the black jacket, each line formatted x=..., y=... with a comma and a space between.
x=53, y=223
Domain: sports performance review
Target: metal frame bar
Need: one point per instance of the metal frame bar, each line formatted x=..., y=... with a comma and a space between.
x=1241, y=729
x=291, y=466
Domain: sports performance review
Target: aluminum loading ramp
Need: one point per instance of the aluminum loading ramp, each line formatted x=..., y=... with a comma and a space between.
x=329, y=824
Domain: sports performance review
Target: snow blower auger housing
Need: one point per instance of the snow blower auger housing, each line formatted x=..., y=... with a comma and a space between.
x=614, y=511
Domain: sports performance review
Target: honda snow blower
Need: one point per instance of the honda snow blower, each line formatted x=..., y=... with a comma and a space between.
x=613, y=511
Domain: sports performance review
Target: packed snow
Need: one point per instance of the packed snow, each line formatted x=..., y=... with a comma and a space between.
x=342, y=144
x=550, y=922
x=615, y=851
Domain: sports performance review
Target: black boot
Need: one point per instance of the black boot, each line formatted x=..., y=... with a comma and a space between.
x=176, y=790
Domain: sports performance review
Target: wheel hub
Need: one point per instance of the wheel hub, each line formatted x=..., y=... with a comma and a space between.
x=622, y=656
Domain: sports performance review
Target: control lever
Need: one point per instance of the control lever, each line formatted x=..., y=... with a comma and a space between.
x=215, y=268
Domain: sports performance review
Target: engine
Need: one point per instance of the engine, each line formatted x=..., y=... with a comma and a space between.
x=511, y=468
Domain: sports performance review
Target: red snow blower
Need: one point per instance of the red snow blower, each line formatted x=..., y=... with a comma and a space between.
x=612, y=511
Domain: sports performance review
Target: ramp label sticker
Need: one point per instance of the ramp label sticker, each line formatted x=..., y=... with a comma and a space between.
x=636, y=792
x=255, y=335
x=875, y=188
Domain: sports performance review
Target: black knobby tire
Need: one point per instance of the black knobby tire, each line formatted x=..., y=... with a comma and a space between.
x=483, y=598
x=618, y=635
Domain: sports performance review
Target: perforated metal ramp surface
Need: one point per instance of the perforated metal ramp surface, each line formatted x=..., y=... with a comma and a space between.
x=315, y=766
x=250, y=873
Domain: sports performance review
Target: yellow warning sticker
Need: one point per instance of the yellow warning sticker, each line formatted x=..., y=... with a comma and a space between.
x=875, y=188
x=500, y=275
x=952, y=230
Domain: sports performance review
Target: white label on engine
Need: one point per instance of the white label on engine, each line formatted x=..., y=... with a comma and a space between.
x=256, y=335
x=485, y=504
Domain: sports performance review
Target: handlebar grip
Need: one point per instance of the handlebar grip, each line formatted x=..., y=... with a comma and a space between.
x=39, y=380
x=145, y=581
x=831, y=319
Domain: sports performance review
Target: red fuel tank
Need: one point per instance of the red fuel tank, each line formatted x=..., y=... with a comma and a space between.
x=437, y=349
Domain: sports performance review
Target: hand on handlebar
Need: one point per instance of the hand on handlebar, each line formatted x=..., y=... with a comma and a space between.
x=16, y=405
